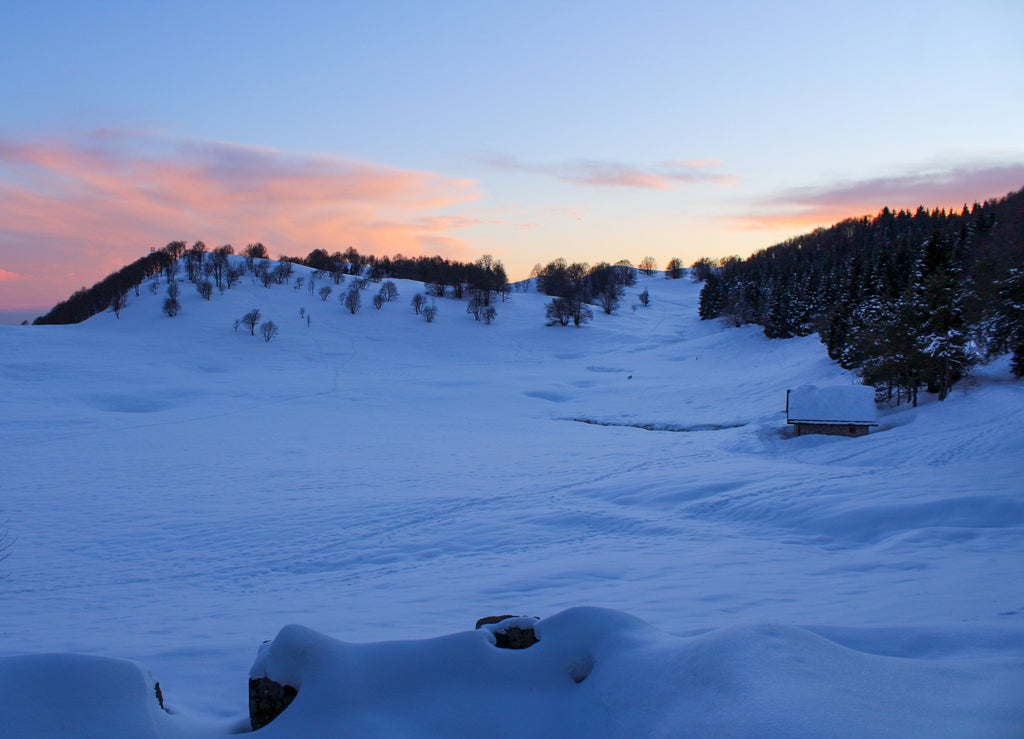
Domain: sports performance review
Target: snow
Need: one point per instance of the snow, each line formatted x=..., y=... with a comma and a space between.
x=838, y=404
x=178, y=493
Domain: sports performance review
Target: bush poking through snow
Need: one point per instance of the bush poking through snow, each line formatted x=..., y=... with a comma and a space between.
x=269, y=330
x=429, y=313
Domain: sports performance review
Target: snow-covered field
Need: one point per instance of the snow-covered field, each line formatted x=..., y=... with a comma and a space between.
x=177, y=492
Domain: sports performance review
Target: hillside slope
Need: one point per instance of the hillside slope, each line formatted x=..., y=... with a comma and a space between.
x=179, y=490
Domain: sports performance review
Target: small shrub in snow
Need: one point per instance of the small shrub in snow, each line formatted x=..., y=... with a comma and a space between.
x=205, y=289
x=417, y=303
x=269, y=330
x=325, y=292
x=645, y=298
x=378, y=301
x=429, y=313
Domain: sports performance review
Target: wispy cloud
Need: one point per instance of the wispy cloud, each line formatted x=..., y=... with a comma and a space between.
x=602, y=173
x=92, y=203
x=949, y=187
x=6, y=276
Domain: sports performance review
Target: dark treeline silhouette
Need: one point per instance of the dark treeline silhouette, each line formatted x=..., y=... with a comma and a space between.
x=908, y=300
x=110, y=291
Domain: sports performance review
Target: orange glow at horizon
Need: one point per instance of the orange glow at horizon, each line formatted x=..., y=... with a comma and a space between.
x=70, y=214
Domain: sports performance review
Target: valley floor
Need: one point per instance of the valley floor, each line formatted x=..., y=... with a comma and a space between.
x=178, y=491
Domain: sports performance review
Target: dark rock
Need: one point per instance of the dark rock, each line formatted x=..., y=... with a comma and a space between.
x=267, y=699
x=492, y=620
x=512, y=636
x=159, y=695
x=515, y=637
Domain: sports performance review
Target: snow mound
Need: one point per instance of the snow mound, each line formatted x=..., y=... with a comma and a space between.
x=594, y=672
x=64, y=695
x=599, y=672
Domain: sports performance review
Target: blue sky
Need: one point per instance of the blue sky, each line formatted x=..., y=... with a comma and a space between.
x=592, y=131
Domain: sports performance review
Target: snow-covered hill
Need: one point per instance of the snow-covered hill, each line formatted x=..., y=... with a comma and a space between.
x=178, y=491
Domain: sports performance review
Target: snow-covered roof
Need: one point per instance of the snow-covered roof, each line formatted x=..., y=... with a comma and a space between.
x=837, y=404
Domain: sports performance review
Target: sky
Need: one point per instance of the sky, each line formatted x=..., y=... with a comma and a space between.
x=592, y=131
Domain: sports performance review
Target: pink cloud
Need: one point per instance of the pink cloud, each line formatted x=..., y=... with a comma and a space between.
x=5, y=276
x=594, y=172
x=951, y=188
x=93, y=204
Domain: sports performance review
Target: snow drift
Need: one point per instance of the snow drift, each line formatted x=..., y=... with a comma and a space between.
x=593, y=672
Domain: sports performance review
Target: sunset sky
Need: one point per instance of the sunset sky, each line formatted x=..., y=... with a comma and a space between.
x=527, y=130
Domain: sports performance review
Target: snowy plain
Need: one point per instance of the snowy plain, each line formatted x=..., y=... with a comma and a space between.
x=178, y=491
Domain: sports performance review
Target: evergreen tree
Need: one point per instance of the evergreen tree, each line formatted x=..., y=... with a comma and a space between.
x=712, y=297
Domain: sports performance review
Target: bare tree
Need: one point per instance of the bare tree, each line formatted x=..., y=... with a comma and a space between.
x=194, y=260
x=173, y=267
x=609, y=299
x=648, y=265
x=475, y=307
x=352, y=300
x=429, y=312
x=253, y=252
x=269, y=330
x=234, y=274
x=171, y=304
x=417, y=302
x=118, y=302
x=389, y=290
x=250, y=319
x=205, y=288
x=645, y=298
x=325, y=292
x=378, y=300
